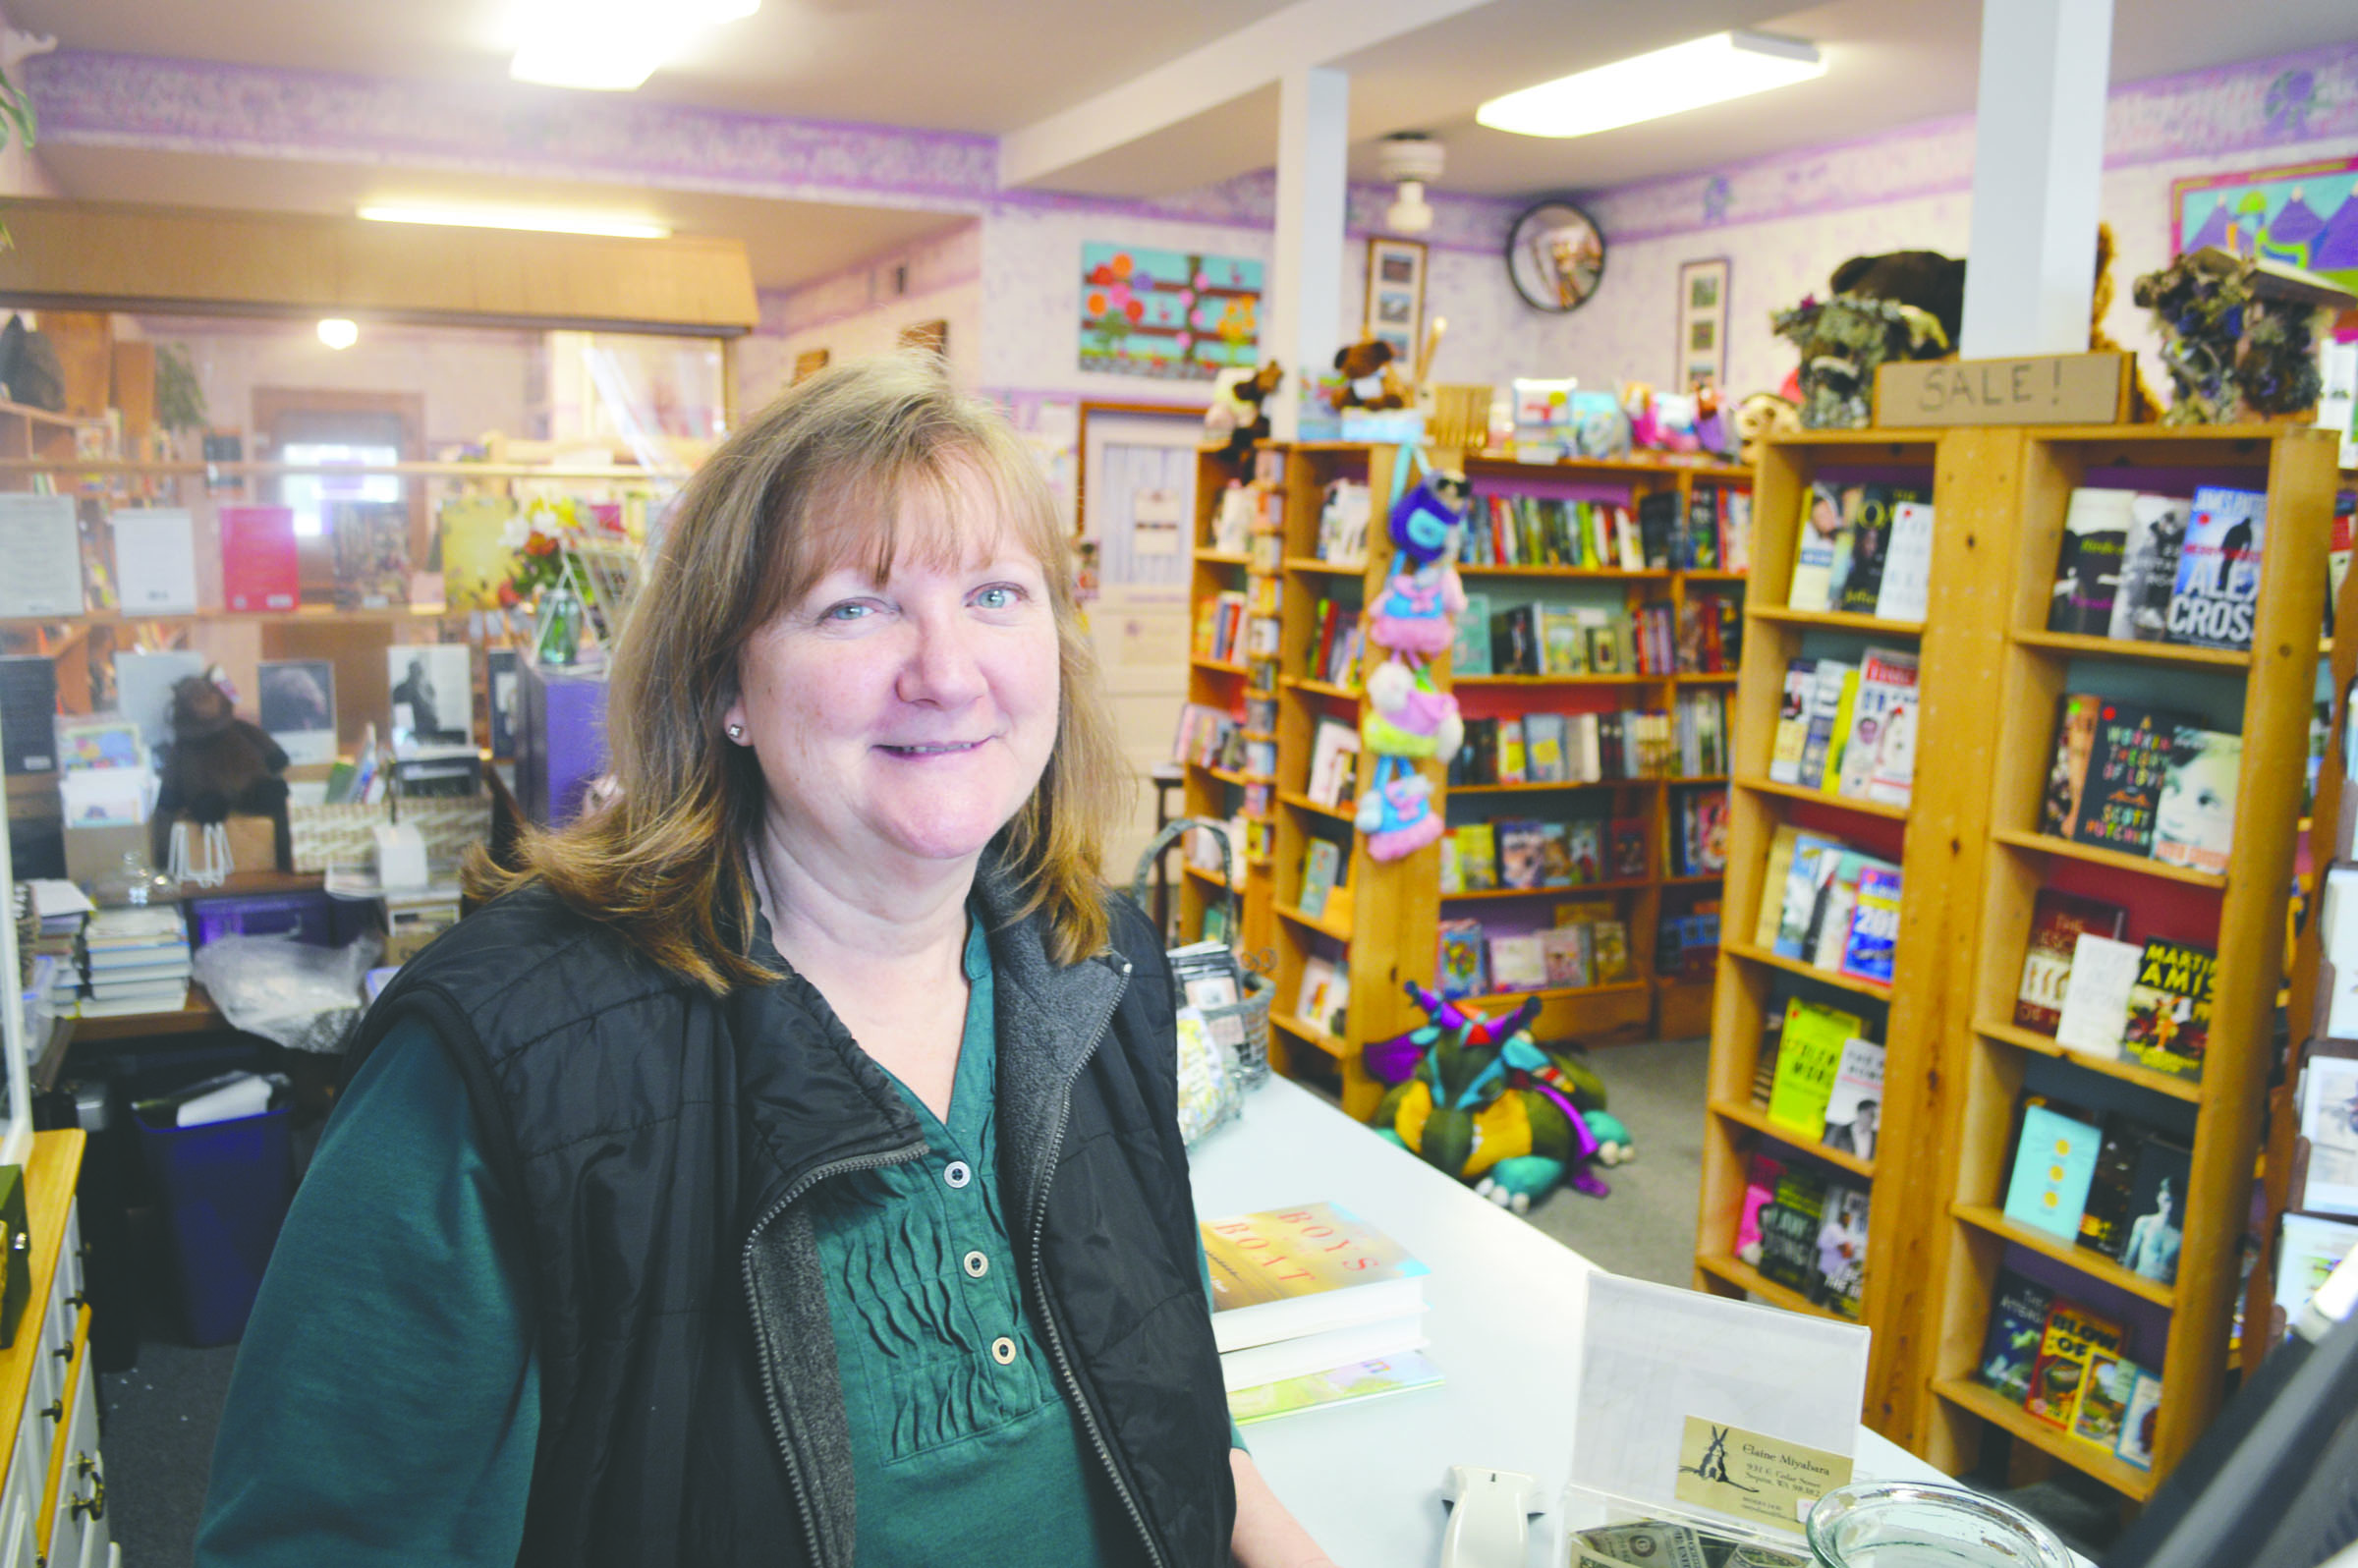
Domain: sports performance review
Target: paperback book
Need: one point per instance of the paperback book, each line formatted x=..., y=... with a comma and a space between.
x=2157, y=1210
x=2010, y=1346
x=2167, y=1019
x=2216, y=592
x=2126, y=763
x=2057, y=920
x=371, y=544
x=1908, y=568
x=2053, y=1164
x=2149, y=569
x=1854, y=1108
x=2095, y=535
x=2072, y=1337
x=2067, y=774
x=1808, y=1059
x=2193, y=816
x=257, y=558
x=2095, y=994
x=1838, y=1271
x=1287, y=1273
x=1789, y=1226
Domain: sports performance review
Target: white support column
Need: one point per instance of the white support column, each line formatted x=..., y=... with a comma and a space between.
x=2037, y=171
x=1303, y=310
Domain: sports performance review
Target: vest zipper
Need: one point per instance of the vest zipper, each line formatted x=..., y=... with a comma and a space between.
x=1047, y=1309
x=770, y=1372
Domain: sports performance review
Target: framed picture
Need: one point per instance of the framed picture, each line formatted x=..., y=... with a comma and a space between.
x=1170, y=315
x=1703, y=324
x=2305, y=214
x=1395, y=310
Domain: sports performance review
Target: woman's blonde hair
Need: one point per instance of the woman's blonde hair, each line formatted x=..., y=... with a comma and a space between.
x=836, y=471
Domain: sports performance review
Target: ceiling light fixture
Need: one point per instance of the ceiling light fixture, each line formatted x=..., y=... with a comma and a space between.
x=528, y=218
x=1411, y=160
x=1648, y=86
x=612, y=46
x=338, y=333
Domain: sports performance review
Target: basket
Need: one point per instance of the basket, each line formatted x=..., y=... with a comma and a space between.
x=1248, y=1017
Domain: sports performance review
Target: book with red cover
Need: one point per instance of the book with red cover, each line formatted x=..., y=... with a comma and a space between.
x=257, y=558
x=2057, y=920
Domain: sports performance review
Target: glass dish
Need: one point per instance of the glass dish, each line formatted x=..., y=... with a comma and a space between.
x=1899, y=1524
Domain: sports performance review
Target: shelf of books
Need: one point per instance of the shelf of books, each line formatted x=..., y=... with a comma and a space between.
x=1861, y=654
x=1227, y=738
x=2091, y=1173
x=1347, y=927
x=2309, y=1221
x=1588, y=807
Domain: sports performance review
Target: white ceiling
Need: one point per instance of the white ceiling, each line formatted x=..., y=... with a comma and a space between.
x=989, y=68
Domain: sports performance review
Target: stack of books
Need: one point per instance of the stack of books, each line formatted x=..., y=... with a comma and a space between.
x=1313, y=1306
x=2157, y=568
x=136, y=961
x=2062, y=1363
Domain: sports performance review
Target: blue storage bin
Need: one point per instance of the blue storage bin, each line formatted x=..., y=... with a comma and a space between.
x=226, y=1187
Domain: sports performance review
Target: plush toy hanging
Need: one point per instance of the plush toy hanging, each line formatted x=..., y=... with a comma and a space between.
x=1415, y=618
x=1476, y=1098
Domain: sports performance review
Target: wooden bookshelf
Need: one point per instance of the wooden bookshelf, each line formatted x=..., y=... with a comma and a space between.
x=1985, y=1064
x=1216, y=793
x=2327, y=832
x=1675, y=1006
x=1935, y=839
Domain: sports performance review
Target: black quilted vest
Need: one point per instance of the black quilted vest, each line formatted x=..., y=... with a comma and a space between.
x=690, y=1412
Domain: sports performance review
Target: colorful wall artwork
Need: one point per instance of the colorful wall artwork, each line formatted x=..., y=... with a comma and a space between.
x=1166, y=314
x=2304, y=214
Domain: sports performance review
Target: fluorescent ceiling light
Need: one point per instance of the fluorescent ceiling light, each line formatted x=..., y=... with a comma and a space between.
x=521, y=218
x=1648, y=86
x=612, y=46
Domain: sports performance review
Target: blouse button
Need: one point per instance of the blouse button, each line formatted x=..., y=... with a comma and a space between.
x=958, y=1173
x=1003, y=1351
x=977, y=1265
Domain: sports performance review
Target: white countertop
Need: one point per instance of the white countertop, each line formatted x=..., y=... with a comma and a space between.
x=1505, y=1304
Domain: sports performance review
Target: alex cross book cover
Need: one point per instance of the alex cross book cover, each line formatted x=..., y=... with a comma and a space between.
x=2218, y=589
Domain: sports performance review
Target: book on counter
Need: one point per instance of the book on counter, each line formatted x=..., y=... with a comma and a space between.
x=2010, y=1344
x=1360, y=1380
x=2167, y=1018
x=2216, y=594
x=2071, y=1338
x=2096, y=537
x=1305, y=1290
x=2057, y=918
x=2054, y=1162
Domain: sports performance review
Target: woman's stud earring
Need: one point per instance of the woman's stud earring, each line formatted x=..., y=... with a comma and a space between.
x=736, y=732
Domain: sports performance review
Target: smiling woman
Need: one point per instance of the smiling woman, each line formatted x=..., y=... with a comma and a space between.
x=783, y=1166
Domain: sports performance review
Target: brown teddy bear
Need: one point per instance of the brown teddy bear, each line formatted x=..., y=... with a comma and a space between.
x=1370, y=379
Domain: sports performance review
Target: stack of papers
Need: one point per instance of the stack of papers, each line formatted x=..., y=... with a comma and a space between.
x=136, y=961
x=1313, y=1306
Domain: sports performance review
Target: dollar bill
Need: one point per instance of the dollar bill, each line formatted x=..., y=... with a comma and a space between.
x=1655, y=1543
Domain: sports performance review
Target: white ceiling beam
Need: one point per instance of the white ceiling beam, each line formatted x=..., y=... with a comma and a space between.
x=1305, y=36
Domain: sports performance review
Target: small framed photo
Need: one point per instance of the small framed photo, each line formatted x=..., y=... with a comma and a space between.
x=1395, y=307
x=1703, y=324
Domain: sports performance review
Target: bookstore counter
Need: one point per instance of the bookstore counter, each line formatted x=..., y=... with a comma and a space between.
x=1506, y=1304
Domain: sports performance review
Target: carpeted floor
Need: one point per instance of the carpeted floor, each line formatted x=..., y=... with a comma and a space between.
x=1647, y=1228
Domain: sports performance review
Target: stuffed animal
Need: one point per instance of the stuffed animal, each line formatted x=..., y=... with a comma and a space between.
x=1926, y=279
x=1370, y=380
x=1407, y=716
x=217, y=764
x=1905, y=305
x=1397, y=815
x=1474, y=1096
x=1760, y=416
x=1239, y=414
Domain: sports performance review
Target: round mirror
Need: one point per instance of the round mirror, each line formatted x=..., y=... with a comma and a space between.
x=1555, y=256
